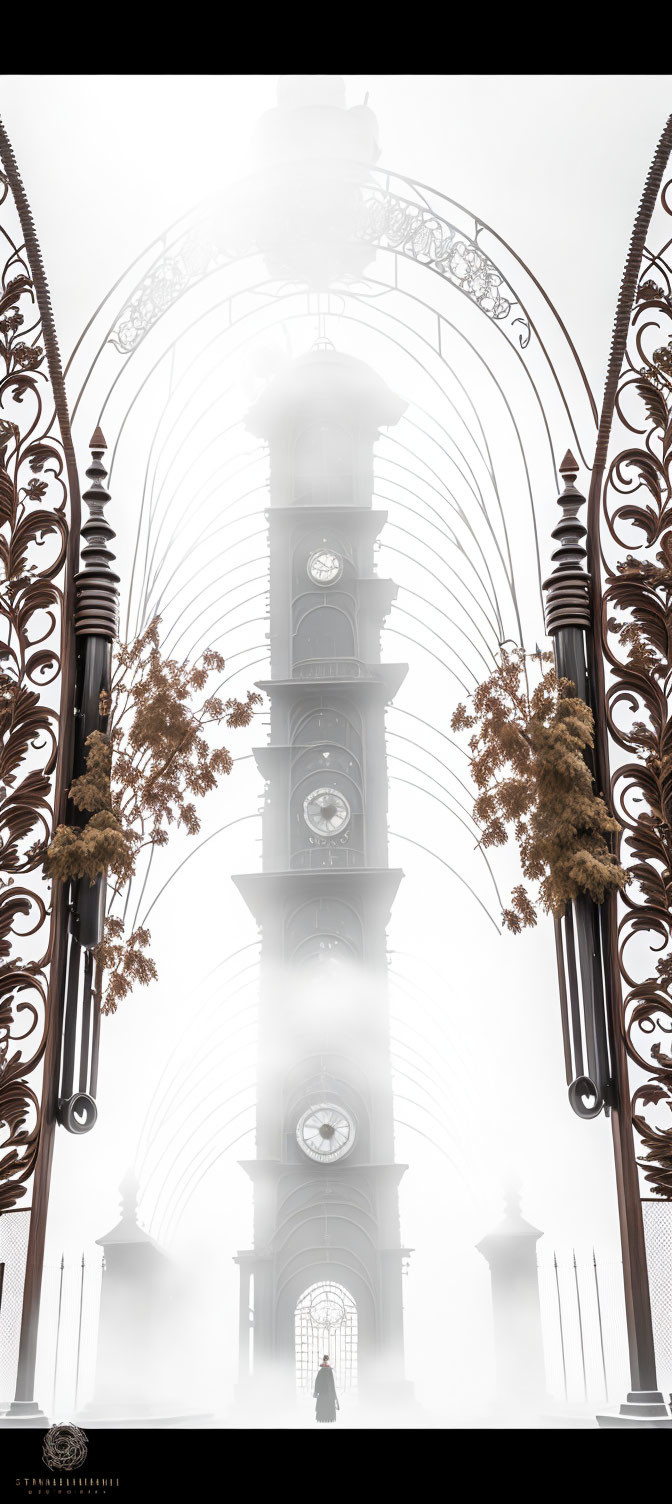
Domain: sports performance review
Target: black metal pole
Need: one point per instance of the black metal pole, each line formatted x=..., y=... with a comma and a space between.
x=96, y=625
x=599, y=1319
x=58, y=1335
x=562, y=1334
x=79, y=1333
x=578, y=1307
x=568, y=620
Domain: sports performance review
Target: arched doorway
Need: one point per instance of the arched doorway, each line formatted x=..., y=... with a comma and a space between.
x=325, y=1321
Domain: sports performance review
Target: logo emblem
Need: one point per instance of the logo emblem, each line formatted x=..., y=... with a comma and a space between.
x=64, y=1447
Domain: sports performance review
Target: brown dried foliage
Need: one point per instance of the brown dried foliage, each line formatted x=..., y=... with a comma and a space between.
x=528, y=760
x=143, y=777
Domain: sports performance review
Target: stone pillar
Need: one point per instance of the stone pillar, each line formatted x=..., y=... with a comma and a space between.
x=392, y=1309
x=244, y=1320
x=138, y=1361
x=511, y=1252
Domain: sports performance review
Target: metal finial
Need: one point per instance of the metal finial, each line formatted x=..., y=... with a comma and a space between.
x=568, y=466
x=567, y=588
x=96, y=594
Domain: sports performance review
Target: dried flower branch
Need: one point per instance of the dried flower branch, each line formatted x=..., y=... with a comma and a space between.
x=528, y=761
x=141, y=778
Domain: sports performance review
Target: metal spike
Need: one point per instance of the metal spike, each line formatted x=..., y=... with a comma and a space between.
x=569, y=466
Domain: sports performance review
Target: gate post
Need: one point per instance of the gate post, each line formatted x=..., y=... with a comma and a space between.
x=135, y=1342
x=244, y=1321
x=69, y=1086
x=511, y=1251
x=588, y=974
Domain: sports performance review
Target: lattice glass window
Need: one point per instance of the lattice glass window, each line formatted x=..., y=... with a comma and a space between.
x=325, y=1321
x=658, y=1237
x=13, y=1249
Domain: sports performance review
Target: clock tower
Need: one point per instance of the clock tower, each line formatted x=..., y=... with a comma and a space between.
x=324, y=1274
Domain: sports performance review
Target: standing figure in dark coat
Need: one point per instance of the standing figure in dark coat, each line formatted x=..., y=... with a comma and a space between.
x=325, y=1393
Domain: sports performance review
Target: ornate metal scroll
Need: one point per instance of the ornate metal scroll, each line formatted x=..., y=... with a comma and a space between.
x=39, y=516
x=374, y=215
x=174, y=272
x=631, y=506
x=389, y=219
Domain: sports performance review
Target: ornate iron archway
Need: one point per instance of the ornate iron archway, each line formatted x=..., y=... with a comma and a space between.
x=154, y=362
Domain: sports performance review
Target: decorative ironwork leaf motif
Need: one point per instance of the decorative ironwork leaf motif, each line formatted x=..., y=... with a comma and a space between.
x=39, y=517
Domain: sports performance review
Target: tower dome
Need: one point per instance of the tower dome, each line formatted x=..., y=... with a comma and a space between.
x=297, y=90
x=326, y=385
x=311, y=121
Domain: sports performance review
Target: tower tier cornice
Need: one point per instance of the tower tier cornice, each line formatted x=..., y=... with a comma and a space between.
x=270, y=1170
x=367, y=522
x=264, y=891
x=383, y=678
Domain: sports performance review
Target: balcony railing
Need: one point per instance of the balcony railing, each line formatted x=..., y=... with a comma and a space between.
x=321, y=857
x=331, y=668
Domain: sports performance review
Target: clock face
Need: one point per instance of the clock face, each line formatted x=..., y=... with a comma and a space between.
x=324, y=567
x=326, y=812
x=325, y=1132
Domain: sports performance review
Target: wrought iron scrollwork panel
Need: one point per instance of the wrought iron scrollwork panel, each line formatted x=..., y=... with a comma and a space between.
x=636, y=639
x=374, y=215
x=36, y=483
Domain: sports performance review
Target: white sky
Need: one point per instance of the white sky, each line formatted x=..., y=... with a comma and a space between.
x=556, y=165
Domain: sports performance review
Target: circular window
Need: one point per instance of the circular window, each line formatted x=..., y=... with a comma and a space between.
x=326, y=1132
x=326, y=811
x=324, y=566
